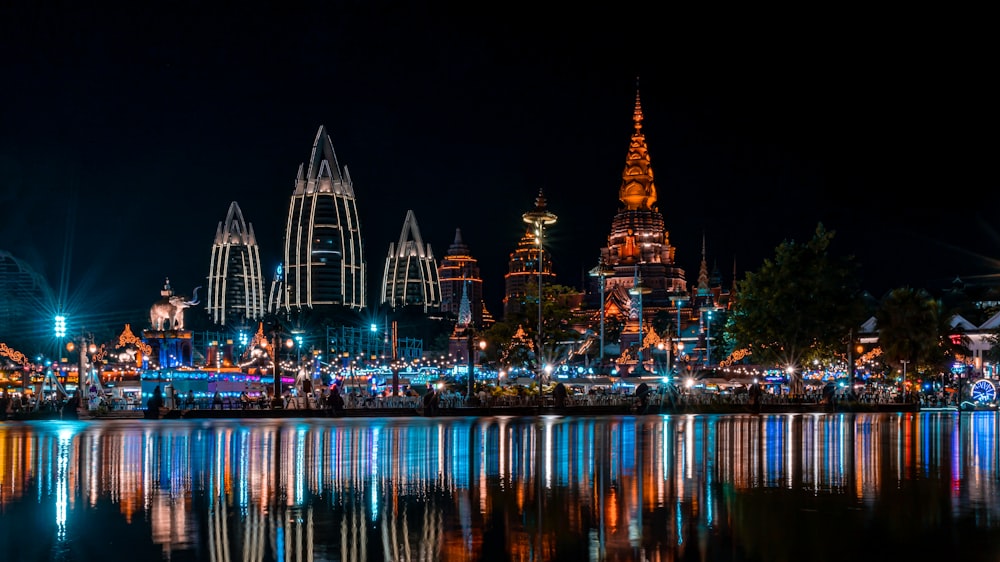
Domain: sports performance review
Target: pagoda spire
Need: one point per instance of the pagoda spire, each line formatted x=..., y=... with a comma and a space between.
x=703, y=288
x=638, y=191
x=465, y=308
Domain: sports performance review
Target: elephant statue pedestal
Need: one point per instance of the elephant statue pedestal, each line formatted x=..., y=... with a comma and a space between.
x=169, y=348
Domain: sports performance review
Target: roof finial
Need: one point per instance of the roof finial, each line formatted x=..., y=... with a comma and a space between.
x=637, y=114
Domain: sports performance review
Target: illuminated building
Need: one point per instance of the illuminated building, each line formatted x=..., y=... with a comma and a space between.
x=638, y=246
x=411, y=272
x=459, y=275
x=235, y=283
x=523, y=267
x=324, y=264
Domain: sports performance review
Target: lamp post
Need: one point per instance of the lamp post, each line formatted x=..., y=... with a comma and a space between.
x=665, y=348
x=88, y=371
x=678, y=302
x=708, y=338
x=904, y=362
x=638, y=290
x=276, y=368
x=472, y=364
x=539, y=218
x=602, y=272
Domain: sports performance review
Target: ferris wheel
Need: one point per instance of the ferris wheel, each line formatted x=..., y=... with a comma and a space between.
x=984, y=392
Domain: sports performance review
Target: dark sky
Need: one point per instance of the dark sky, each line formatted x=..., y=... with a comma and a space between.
x=126, y=133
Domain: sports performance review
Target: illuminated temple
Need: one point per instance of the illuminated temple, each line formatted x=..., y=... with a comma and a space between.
x=639, y=252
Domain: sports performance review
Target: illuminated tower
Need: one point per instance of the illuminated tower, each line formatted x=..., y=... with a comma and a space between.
x=459, y=274
x=523, y=265
x=411, y=273
x=639, y=245
x=235, y=283
x=324, y=262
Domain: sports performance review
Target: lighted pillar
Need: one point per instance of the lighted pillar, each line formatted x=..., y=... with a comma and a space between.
x=472, y=365
x=708, y=340
x=539, y=218
x=602, y=271
x=638, y=290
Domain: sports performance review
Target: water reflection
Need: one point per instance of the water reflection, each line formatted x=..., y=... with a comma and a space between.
x=713, y=487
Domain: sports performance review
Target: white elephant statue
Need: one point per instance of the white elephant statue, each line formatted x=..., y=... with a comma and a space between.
x=168, y=313
x=127, y=355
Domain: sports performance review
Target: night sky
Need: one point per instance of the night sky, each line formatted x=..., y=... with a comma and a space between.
x=126, y=133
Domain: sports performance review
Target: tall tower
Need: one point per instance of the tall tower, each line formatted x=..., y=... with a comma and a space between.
x=639, y=247
x=638, y=237
x=459, y=274
x=324, y=263
x=523, y=265
x=235, y=282
x=411, y=274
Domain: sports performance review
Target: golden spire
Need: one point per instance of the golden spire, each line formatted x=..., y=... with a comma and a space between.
x=638, y=191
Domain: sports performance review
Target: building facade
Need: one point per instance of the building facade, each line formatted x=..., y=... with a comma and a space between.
x=411, y=272
x=324, y=262
x=459, y=275
x=524, y=264
x=235, y=295
x=638, y=267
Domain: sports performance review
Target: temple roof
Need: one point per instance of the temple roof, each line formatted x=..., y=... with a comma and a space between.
x=637, y=191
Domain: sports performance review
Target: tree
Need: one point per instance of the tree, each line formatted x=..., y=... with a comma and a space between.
x=910, y=330
x=798, y=306
x=503, y=348
x=558, y=303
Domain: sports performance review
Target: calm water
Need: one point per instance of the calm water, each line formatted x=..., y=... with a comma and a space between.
x=842, y=487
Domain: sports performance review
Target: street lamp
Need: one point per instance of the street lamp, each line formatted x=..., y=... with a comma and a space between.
x=638, y=290
x=539, y=218
x=472, y=363
x=708, y=339
x=665, y=348
x=602, y=272
x=678, y=301
x=904, y=362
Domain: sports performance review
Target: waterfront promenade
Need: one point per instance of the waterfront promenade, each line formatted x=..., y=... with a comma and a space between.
x=456, y=405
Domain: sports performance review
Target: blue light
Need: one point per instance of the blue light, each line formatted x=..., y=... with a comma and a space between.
x=60, y=326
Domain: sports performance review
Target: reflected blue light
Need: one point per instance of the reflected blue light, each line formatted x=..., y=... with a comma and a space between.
x=647, y=482
x=373, y=491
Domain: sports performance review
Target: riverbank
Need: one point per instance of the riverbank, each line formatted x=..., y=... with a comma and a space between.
x=548, y=409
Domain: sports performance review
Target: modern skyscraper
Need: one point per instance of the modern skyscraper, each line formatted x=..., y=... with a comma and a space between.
x=523, y=266
x=324, y=262
x=459, y=274
x=235, y=282
x=411, y=273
